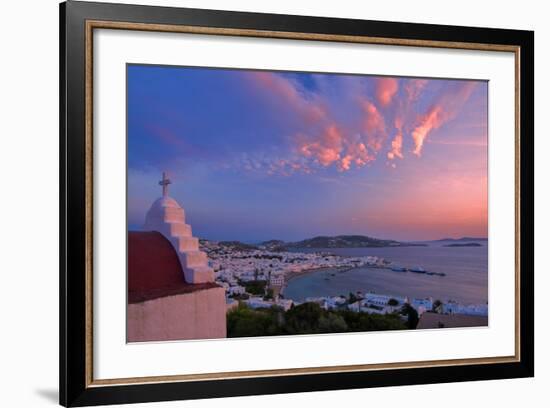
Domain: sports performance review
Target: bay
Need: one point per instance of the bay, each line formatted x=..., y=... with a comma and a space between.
x=466, y=270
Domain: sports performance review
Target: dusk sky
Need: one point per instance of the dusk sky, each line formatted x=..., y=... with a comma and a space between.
x=258, y=155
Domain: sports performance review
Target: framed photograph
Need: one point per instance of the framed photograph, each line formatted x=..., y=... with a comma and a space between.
x=256, y=204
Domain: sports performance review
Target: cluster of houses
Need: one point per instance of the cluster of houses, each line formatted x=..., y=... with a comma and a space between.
x=382, y=304
x=258, y=302
x=470, y=310
x=373, y=303
x=234, y=263
x=370, y=303
x=235, y=266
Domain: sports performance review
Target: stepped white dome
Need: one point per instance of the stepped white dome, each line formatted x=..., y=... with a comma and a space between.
x=165, y=202
x=167, y=217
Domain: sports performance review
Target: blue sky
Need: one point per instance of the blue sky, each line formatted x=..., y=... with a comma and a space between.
x=256, y=155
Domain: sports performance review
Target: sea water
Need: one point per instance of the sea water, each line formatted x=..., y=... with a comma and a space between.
x=466, y=270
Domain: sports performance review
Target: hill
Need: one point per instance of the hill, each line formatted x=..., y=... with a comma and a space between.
x=347, y=241
x=319, y=242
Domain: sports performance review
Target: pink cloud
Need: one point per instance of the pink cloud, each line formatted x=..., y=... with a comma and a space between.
x=345, y=163
x=324, y=136
x=374, y=126
x=262, y=164
x=413, y=88
x=386, y=88
x=334, y=147
x=326, y=148
x=359, y=153
x=428, y=122
x=310, y=109
x=397, y=142
x=444, y=110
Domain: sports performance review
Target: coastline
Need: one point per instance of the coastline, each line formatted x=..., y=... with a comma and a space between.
x=370, y=271
x=291, y=275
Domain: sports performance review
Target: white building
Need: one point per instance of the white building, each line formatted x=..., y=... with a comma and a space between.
x=382, y=300
x=167, y=217
x=236, y=290
x=285, y=304
x=473, y=310
x=258, y=303
x=277, y=280
x=422, y=305
x=335, y=302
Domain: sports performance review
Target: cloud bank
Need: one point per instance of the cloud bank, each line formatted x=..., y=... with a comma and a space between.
x=382, y=113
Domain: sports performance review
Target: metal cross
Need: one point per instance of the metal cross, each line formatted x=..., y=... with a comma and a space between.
x=164, y=183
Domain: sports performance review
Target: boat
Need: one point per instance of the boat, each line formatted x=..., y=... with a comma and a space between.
x=436, y=273
x=398, y=269
x=418, y=269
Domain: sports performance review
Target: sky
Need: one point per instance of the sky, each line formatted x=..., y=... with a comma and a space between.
x=257, y=155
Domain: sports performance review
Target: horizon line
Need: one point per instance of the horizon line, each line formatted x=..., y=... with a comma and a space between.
x=252, y=241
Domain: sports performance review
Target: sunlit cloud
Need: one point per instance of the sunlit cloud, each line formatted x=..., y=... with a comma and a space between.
x=434, y=118
x=414, y=87
x=386, y=89
x=327, y=141
x=443, y=110
x=309, y=106
x=325, y=148
x=373, y=126
x=397, y=142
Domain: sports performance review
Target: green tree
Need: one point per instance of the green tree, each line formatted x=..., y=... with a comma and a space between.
x=256, y=287
x=352, y=298
x=393, y=302
x=303, y=319
x=246, y=322
x=412, y=315
x=268, y=294
x=240, y=296
x=361, y=322
x=309, y=318
x=437, y=306
x=332, y=323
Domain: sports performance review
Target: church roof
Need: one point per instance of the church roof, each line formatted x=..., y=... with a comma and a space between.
x=165, y=202
x=154, y=269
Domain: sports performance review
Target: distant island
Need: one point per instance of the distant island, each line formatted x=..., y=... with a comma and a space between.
x=346, y=241
x=339, y=241
x=463, y=239
x=467, y=244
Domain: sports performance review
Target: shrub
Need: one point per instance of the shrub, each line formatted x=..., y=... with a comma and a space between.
x=307, y=318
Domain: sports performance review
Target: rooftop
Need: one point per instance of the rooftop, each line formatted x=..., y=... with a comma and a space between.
x=154, y=269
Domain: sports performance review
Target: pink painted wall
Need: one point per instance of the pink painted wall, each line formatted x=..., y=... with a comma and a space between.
x=195, y=315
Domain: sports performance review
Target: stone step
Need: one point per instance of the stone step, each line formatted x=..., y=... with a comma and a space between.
x=186, y=244
x=198, y=274
x=180, y=229
x=174, y=215
x=192, y=259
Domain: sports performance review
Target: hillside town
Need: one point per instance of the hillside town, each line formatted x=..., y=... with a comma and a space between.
x=257, y=276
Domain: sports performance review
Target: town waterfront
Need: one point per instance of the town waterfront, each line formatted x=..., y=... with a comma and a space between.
x=466, y=279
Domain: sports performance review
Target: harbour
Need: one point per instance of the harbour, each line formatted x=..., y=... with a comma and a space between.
x=448, y=274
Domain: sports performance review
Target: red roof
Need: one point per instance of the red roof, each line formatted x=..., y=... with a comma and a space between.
x=154, y=269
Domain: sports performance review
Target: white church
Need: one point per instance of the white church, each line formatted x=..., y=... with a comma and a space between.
x=171, y=290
